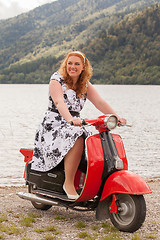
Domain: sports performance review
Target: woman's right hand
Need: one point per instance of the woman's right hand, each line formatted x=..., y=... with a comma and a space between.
x=122, y=122
x=76, y=122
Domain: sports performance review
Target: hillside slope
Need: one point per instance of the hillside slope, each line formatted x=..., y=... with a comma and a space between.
x=32, y=42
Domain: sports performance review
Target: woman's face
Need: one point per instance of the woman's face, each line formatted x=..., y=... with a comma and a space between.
x=74, y=67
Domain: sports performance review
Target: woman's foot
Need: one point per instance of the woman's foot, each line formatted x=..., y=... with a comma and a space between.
x=71, y=195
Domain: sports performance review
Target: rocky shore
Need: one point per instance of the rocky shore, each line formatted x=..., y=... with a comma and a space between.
x=21, y=221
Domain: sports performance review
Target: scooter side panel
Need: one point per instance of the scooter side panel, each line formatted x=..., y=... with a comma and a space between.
x=27, y=153
x=94, y=169
x=121, y=151
x=125, y=182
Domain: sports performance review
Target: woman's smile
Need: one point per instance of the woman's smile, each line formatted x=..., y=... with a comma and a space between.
x=72, y=71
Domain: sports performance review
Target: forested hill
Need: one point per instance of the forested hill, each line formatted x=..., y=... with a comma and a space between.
x=129, y=52
x=30, y=44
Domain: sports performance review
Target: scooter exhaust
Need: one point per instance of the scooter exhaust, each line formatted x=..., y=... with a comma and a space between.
x=32, y=197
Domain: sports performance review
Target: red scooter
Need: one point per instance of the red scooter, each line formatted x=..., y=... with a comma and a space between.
x=103, y=181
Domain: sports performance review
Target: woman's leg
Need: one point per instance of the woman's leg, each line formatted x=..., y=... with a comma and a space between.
x=71, y=163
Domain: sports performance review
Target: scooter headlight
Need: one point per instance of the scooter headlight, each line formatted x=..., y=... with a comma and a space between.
x=110, y=121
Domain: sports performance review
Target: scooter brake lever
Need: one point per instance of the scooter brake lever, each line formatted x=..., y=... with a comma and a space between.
x=128, y=125
x=123, y=125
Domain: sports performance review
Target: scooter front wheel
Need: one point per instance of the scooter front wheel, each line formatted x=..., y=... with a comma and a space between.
x=131, y=212
x=38, y=205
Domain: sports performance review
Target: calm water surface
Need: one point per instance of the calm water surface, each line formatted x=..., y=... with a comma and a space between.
x=22, y=108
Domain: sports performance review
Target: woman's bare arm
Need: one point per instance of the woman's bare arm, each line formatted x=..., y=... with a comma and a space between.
x=56, y=93
x=100, y=103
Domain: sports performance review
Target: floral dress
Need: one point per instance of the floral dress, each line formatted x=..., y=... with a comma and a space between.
x=55, y=136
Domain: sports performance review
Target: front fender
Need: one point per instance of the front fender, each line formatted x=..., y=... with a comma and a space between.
x=125, y=182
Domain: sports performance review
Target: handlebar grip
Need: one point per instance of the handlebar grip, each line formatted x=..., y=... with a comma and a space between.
x=83, y=122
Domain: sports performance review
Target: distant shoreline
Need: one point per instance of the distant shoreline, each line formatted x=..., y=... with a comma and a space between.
x=148, y=180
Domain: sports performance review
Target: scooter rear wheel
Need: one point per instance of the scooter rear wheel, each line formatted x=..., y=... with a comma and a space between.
x=131, y=212
x=38, y=205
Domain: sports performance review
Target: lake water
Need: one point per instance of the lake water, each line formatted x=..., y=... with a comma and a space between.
x=22, y=108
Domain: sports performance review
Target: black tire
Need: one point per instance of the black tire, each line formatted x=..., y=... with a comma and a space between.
x=131, y=212
x=37, y=205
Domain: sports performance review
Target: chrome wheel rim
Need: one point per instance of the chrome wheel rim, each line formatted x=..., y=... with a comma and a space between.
x=126, y=210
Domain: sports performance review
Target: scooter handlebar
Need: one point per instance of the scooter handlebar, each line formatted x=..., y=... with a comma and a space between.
x=84, y=122
x=105, y=121
x=91, y=121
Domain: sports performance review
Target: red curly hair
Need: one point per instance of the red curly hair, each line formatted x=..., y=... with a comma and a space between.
x=82, y=83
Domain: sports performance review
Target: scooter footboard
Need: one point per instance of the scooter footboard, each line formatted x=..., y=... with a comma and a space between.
x=125, y=182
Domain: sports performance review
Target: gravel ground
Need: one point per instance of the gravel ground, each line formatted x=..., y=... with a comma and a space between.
x=20, y=220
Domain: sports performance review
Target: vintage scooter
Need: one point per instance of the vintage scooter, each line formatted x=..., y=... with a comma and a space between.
x=103, y=181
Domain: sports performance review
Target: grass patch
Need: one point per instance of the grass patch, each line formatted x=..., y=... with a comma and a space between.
x=154, y=222
x=49, y=237
x=27, y=221
x=60, y=218
x=10, y=211
x=151, y=235
x=51, y=228
x=112, y=236
x=10, y=230
x=3, y=218
x=84, y=235
x=95, y=227
x=108, y=227
x=1, y=237
x=136, y=237
x=39, y=230
x=80, y=225
x=26, y=238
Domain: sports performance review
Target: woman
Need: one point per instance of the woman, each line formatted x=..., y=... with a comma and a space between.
x=60, y=136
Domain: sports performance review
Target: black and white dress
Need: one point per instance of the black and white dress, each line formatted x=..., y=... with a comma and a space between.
x=55, y=136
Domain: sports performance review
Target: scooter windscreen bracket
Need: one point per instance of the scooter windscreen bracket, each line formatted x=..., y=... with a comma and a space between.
x=111, y=158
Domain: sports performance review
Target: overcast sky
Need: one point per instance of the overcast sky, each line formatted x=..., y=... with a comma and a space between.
x=11, y=8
